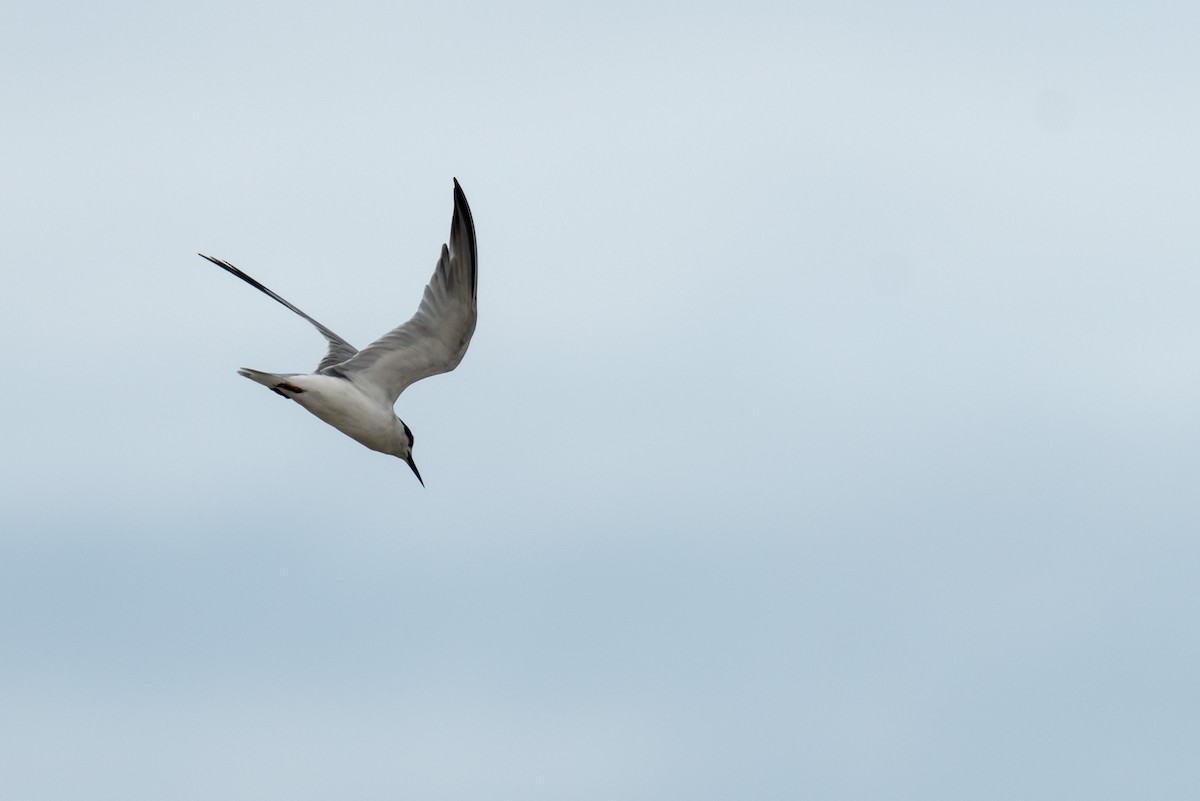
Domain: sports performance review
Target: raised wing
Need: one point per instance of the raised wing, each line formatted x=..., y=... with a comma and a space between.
x=436, y=337
x=339, y=349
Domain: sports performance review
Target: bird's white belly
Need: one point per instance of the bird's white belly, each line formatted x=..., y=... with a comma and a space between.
x=341, y=404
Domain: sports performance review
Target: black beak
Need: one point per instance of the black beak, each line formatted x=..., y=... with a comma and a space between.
x=413, y=465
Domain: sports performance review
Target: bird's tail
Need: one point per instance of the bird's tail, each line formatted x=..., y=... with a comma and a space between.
x=276, y=382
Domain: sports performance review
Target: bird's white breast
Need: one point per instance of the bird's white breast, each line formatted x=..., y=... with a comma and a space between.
x=344, y=406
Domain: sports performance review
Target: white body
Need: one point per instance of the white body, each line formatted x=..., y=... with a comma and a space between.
x=344, y=406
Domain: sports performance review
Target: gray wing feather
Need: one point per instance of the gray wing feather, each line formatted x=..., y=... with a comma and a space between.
x=435, y=339
x=339, y=349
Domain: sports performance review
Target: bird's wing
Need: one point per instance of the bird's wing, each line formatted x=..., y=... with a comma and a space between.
x=339, y=349
x=436, y=337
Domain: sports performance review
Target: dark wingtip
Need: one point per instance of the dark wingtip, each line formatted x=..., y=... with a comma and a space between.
x=462, y=213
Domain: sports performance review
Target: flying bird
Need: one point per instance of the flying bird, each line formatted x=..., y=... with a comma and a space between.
x=354, y=390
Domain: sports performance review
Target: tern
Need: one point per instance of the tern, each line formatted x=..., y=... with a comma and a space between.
x=354, y=390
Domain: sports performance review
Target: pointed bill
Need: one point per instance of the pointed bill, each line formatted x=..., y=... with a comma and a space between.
x=413, y=465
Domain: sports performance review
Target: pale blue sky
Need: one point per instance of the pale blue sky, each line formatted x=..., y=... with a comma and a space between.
x=830, y=429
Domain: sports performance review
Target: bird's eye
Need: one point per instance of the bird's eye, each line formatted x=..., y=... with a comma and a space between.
x=408, y=431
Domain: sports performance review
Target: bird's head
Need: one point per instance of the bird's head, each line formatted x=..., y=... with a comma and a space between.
x=404, y=444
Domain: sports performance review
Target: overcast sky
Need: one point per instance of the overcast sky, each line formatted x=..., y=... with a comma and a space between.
x=829, y=430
